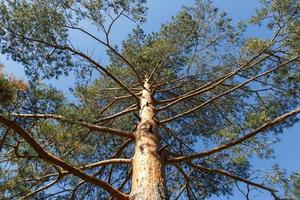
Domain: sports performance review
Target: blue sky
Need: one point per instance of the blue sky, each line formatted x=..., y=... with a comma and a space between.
x=160, y=12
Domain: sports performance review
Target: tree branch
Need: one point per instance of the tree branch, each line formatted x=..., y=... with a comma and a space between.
x=129, y=109
x=232, y=176
x=106, y=44
x=79, y=53
x=113, y=101
x=186, y=177
x=237, y=141
x=113, y=160
x=228, y=91
x=124, y=182
x=42, y=188
x=92, y=127
x=208, y=86
x=108, y=162
x=58, y=162
x=2, y=141
x=216, y=82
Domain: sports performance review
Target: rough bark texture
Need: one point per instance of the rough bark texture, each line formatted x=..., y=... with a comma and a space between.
x=148, y=165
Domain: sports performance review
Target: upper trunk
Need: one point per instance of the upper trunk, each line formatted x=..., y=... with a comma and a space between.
x=148, y=165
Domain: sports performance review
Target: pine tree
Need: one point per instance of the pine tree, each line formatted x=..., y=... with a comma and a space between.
x=176, y=113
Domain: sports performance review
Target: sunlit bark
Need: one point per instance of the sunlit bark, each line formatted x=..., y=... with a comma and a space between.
x=148, y=163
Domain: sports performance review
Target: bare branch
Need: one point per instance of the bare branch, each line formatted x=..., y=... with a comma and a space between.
x=232, y=176
x=162, y=83
x=228, y=91
x=236, y=141
x=262, y=82
x=2, y=141
x=57, y=161
x=73, y=196
x=42, y=188
x=181, y=191
x=101, y=68
x=121, y=149
x=129, y=109
x=111, y=25
x=126, y=179
x=246, y=194
x=90, y=126
x=106, y=44
x=211, y=85
x=89, y=166
x=108, y=162
x=169, y=89
x=113, y=101
x=133, y=88
x=124, y=182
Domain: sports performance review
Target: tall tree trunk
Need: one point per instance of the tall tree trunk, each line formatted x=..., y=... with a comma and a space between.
x=148, y=165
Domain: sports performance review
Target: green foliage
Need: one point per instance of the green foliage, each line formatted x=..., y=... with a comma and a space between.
x=289, y=183
x=7, y=91
x=9, y=88
x=255, y=45
x=40, y=30
x=278, y=13
x=34, y=21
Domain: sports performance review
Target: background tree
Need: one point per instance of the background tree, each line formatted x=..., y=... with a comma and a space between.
x=9, y=86
x=174, y=114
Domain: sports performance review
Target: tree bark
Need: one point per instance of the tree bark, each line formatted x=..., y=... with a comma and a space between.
x=148, y=182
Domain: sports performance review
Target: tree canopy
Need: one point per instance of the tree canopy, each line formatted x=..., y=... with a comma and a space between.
x=219, y=98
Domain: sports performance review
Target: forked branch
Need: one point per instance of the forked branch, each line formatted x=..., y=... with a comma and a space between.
x=209, y=86
x=234, y=177
x=214, y=83
x=107, y=44
x=97, y=66
x=248, y=136
x=229, y=91
x=42, y=188
x=90, y=126
x=58, y=162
